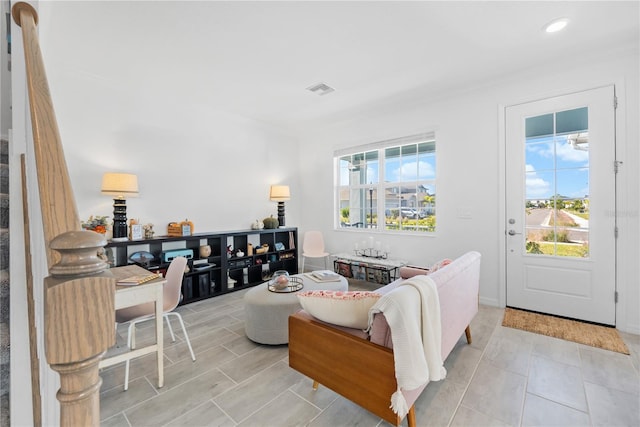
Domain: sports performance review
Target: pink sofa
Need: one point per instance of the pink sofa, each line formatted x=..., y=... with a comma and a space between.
x=361, y=367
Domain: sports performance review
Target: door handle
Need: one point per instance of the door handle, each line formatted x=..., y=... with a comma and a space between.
x=513, y=232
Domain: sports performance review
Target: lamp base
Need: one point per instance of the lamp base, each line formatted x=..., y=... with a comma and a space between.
x=119, y=220
x=281, y=214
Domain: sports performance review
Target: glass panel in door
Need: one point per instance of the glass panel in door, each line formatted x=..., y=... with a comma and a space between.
x=557, y=184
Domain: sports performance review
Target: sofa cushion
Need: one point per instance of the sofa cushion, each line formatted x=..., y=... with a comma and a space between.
x=438, y=265
x=409, y=271
x=344, y=308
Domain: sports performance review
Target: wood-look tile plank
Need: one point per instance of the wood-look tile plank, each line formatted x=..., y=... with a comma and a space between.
x=179, y=400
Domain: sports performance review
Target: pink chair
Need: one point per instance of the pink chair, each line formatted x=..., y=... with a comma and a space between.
x=172, y=294
x=313, y=247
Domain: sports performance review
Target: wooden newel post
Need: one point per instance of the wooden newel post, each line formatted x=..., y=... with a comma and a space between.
x=79, y=314
x=79, y=324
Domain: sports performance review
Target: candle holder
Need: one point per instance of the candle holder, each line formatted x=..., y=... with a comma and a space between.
x=371, y=253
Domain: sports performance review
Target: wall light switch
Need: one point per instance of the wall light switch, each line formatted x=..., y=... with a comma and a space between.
x=464, y=213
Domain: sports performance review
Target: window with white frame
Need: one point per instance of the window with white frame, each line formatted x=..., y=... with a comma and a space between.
x=388, y=186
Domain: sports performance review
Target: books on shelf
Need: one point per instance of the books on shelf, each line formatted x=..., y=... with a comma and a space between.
x=324, y=276
x=344, y=268
x=359, y=271
x=138, y=279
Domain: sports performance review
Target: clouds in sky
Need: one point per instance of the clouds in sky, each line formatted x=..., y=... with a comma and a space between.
x=547, y=158
x=536, y=187
x=407, y=172
x=395, y=171
x=564, y=152
x=573, y=183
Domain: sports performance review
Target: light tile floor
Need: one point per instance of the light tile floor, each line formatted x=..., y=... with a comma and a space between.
x=505, y=377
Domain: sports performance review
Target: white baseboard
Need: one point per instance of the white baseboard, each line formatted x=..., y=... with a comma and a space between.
x=492, y=302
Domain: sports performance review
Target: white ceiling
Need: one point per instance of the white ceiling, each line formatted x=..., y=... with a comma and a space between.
x=256, y=58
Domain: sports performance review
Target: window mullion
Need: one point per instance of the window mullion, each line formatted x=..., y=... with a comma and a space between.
x=381, y=191
x=399, y=176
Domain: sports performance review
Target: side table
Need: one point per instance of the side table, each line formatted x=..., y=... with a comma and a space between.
x=375, y=270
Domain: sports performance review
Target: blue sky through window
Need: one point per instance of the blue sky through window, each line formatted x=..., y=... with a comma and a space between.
x=412, y=165
x=408, y=167
x=556, y=166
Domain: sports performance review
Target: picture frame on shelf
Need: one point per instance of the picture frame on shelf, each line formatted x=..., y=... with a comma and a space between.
x=135, y=232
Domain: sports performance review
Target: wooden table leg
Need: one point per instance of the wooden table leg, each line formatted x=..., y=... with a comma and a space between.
x=160, y=336
x=411, y=416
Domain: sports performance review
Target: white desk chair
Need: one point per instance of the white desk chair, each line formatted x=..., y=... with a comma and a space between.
x=313, y=247
x=172, y=294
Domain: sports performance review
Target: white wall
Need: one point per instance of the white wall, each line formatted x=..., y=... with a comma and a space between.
x=192, y=162
x=469, y=168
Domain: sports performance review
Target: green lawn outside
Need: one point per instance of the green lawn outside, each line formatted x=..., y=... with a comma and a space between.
x=583, y=215
x=570, y=250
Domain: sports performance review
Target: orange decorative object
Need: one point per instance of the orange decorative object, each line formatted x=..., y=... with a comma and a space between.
x=184, y=228
x=174, y=229
x=189, y=223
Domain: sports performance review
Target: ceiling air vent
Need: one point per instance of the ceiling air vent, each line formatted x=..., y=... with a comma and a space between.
x=321, y=89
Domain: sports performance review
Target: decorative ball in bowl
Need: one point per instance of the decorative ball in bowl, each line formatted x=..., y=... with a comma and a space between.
x=205, y=251
x=280, y=279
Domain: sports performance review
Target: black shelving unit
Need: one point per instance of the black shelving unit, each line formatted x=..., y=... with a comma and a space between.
x=220, y=272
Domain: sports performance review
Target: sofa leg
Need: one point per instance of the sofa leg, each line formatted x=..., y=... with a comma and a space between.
x=411, y=416
x=315, y=385
x=467, y=332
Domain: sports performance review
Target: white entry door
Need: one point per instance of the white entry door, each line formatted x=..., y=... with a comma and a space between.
x=560, y=206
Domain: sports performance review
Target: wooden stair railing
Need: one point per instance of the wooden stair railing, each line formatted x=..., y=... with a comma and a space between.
x=79, y=313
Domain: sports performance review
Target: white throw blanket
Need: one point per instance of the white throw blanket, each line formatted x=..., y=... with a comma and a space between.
x=412, y=311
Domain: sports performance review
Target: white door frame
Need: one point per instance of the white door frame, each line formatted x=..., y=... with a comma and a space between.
x=620, y=126
x=574, y=286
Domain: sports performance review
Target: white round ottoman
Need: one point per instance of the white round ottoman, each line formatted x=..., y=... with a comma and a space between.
x=266, y=313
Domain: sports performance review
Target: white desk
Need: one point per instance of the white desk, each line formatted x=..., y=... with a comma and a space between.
x=127, y=296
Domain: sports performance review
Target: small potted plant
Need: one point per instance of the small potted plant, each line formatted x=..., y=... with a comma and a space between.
x=99, y=224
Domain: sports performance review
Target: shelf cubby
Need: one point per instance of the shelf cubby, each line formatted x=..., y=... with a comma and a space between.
x=212, y=281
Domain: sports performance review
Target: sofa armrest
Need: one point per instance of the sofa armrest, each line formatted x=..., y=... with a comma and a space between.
x=408, y=271
x=353, y=367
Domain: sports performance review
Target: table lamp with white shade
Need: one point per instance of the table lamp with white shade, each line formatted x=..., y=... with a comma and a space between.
x=280, y=193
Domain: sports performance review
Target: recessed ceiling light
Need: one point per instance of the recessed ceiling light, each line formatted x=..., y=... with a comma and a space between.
x=321, y=89
x=556, y=25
